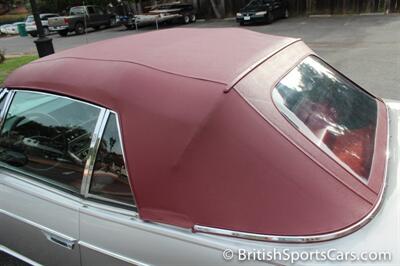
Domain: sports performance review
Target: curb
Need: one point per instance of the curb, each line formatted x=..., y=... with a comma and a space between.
x=320, y=16
x=343, y=15
x=372, y=14
x=15, y=55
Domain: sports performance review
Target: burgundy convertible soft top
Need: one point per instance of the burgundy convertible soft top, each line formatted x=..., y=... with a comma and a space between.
x=199, y=153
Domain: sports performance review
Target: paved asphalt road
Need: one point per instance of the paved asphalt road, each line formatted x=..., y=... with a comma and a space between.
x=365, y=48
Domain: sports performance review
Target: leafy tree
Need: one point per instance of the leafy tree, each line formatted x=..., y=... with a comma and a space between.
x=57, y=6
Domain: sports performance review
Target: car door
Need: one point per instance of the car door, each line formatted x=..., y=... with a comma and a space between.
x=44, y=145
x=104, y=18
x=108, y=201
x=95, y=18
x=111, y=232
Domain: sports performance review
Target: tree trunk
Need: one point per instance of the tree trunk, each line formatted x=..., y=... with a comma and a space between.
x=223, y=8
x=139, y=7
x=387, y=6
x=215, y=9
x=309, y=6
x=196, y=4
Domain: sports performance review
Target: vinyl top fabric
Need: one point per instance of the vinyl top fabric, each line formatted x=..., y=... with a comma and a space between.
x=219, y=55
x=198, y=154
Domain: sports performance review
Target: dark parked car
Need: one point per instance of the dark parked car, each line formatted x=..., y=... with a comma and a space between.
x=79, y=17
x=263, y=11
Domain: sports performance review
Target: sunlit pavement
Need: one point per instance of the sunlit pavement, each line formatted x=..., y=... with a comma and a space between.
x=365, y=48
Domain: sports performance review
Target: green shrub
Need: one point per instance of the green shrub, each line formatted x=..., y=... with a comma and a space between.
x=9, y=19
x=2, y=57
x=10, y=64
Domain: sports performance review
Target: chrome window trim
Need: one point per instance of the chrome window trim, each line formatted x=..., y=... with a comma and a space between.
x=94, y=146
x=48, y=182
x=18, y=256
x=109, y=208
x=41, y=185
x=4, y=111
x=56, y=95
x=73, y=197
x=320, y=237
x=3, y=91
x=88, y=169
x=90, y=165
x=123, y=154
x=98, y=197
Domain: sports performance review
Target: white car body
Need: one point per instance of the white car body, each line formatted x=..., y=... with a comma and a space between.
x=30, y=24
x=156, y=244
x=3, y=28
x=38, y=218
x=10, y=29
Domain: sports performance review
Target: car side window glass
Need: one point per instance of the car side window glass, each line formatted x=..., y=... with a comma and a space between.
x=99, y=11
x=110, y=177
x=77, y=11
x=90, y=10
x=47, y=137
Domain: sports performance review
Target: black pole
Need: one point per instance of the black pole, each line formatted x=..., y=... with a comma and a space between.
x=44, y=45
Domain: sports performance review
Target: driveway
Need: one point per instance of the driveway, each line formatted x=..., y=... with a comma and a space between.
x=365, y=48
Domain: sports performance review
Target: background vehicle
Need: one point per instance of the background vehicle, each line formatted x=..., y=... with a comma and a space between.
x=4, y=29
x=125, y=14
x=262, y=11
x=175, y=12
x=10, y=29
x=79, y=18
x=30, y=24
x=165, y=13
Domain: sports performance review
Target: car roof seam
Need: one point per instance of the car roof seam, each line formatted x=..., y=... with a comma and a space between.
x=135, y=63
x=253, y=66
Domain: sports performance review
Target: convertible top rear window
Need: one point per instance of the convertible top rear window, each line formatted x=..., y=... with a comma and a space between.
x=334, y=113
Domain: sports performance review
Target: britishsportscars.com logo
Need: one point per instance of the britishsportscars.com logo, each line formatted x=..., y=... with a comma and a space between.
x=287, y=255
